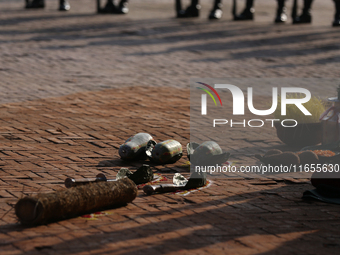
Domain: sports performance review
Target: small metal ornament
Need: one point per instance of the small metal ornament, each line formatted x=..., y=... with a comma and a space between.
x=134, y=147
x=142, y=175
x=206, y=154
x=166, y=152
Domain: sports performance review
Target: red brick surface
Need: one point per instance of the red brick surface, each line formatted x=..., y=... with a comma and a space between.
x=45, y=141
x=138, y=68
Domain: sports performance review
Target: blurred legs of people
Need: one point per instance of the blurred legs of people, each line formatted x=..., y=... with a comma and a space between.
x=111, y=8
x=281, y=15
x=193, y=10
x=336, y=22
x=64, y=5
x=35, y=4
x=248, y=12
x=216, y=12
x=305, y=17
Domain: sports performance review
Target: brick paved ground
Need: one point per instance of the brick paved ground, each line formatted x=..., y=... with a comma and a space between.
x=75, y=85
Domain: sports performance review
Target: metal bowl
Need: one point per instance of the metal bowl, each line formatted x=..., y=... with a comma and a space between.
x=304, y=134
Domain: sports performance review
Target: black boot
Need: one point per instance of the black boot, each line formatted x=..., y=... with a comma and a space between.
x=216, y=12
x=64, y=5
x=192, y=11
x=306, y=16
x=336, y=22
x=248, y=12
x=35, y=4
x=122, y=7
x=178, y=6
x=281, y=15
x=109, y=7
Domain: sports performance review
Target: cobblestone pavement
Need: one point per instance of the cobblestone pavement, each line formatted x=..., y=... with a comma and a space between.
x=75, y=85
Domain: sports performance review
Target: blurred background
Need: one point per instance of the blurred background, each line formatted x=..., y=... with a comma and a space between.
x=45, y=52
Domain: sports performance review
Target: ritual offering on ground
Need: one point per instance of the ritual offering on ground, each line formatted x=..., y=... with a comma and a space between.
x=208, y=153
x=179, y=183
x=48, y=207
x=167, y=152
x=280, y=158
x=134, y=147
x=302, y=130
x=276, y=157
x=142, y=175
